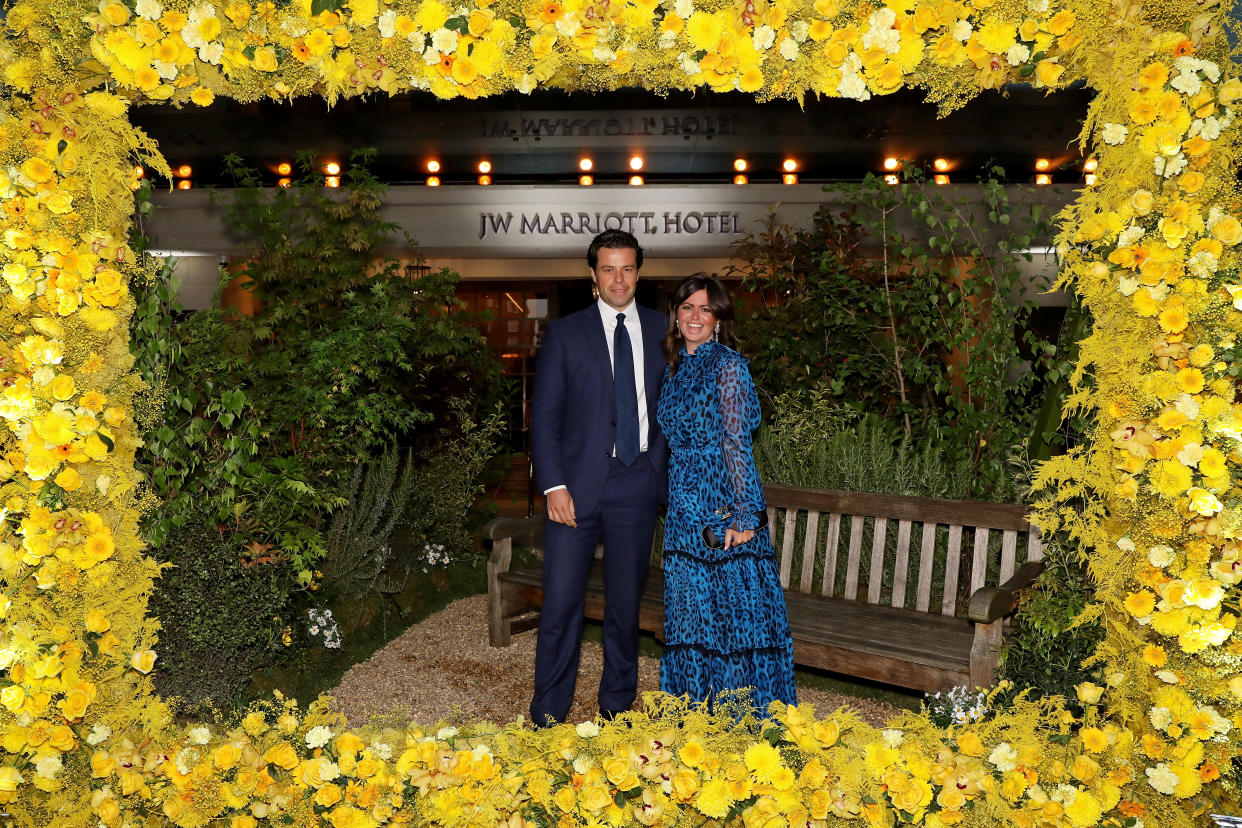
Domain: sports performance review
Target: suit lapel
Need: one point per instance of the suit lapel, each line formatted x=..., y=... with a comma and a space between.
x=597, y=345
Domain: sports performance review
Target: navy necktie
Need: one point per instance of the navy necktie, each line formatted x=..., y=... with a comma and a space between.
x=625, y=392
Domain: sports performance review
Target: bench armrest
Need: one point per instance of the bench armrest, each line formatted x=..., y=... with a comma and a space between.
x=990, y=604
x=527, y=531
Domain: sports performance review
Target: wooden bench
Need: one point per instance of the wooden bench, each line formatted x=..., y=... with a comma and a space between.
x=927, y=624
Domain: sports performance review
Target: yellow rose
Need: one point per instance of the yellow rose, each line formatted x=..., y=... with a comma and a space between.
x=226, y=756
x=1089, y=693
x=59, y=203
x=69, y=479
x=1048, y=72
x=594, y=798
x=282, y=755
x=97, y=622
x=1229, y=92
x=115, y=14
x=1142, y=201
x=542, y=43
x=969, y=744
x=565, y=798
x=142, y=660
x=317, y=771
x=13, y=697
x=685, y=784
x=1203, y=502
x=73, y=705
x=102, y=764
x=1228, y=230
x=328, y=795
x=244, y=821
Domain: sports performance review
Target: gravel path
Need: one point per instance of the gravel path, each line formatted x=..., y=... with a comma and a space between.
x=444, y=669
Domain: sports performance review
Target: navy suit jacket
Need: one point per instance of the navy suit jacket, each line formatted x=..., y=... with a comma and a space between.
x=573, y=414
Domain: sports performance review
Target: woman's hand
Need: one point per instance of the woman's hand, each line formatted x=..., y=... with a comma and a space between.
x=735, y=537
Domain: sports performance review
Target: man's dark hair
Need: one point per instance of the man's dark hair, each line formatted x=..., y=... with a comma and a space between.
x=614, y=239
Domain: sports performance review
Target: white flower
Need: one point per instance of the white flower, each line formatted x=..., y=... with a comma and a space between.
x=800, y=29
x=568, y=26
x=1167, y=676
x=42, y=375
x=191, y=31
x=1209, y=128
x=1162, y=778
x=431, y=57
x=763, y=37
x=1202, y=264
x=186, y=758
x=892, y=737
x=1130, y=235
x=525, y=85
x=789, y=49
x=683, y=8
x=444, y=41
x=1170, y=167
x=211, y=52
x=852, y=86
x=446, y=733
x=48, y=766
x=1114, y=134
x=602, y=53
x=1157, y=292
x=1125, y=544
x=318, y=736
x=688, y=64
x=388, y=23
x=1187, y=83
x=1038, y=6
x=1161, y=556
x=962, y=30
x=668, y=39
x=381, y=751
x=1128, y=285
x=587, y=729
x=99, y=733
x=1004, y=757
x=1188, y=405
x=1188, y=456
x=1017, y=54
x=198, y=735
x=881, y=32
x=582, y=764
x=167, y=71
x=150, y=9
x=1160, y=717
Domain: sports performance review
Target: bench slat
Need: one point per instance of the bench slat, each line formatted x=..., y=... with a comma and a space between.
x=953, y=564
x=875, y=581
x=829, y=584
x=901, y=507
x=927, y=558
x=903, y=563
x=854, y=559
x=1034, y=545
x=809, y=550
x=787, y=545
x=1009, y=555
x=979, y=566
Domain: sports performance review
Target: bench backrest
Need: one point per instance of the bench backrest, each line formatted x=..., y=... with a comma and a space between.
x=822, y=537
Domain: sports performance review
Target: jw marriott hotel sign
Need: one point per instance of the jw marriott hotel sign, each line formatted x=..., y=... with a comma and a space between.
x=647, y=223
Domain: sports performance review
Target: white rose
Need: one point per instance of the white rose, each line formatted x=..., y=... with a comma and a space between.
x=789, y=49
x=763, y=37
x=1017, y=54
x=444, y=41
x=1114, y=134
x=318, y=736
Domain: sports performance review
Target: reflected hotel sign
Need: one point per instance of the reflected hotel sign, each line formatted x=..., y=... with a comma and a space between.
x=644, y=223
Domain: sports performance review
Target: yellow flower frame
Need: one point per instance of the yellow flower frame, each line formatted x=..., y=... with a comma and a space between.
x=1151, y=249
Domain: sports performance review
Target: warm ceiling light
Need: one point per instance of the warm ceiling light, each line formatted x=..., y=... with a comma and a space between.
x=740, y=179
x=1091, y=164
x=891, y=179
x=332, y=181
x=942, y=179
x=1042, y=164
x=891, y=163
x=284, y=168
x=740, y=165
x=586, y=180
x=789, y=165
x=485, y=166
x=636, y=181
x=284, y=182
x=185, y=184
x=1043, y=178
x=332, y=168
x=433, y=181
x=789, y=178
x=433, y=166
x=484, y=180
x=636, y=162
x=185, y=171
x=941, y=164
x=585, y=164
x=139, y=172
x=1090, y=179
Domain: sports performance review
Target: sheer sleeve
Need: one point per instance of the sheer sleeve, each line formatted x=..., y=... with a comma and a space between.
x=739, y=415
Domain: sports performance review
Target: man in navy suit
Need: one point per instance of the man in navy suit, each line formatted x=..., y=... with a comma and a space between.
x=601, y=461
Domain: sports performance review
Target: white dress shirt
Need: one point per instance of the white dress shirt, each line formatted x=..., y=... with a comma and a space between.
x=608, y=314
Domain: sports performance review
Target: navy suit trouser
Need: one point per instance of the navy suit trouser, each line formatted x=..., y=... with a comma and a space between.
x=625, y=520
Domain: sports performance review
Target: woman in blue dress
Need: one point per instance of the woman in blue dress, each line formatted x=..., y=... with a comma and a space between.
x=725, y=623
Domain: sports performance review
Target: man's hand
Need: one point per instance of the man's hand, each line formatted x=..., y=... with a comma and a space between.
x=561, y=507
x=735, y=538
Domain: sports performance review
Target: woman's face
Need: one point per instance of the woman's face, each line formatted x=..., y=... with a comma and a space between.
x=696, y=320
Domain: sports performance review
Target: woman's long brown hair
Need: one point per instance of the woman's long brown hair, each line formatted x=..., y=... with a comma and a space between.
x=722, y=310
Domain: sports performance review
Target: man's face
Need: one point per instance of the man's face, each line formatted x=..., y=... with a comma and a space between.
x=616, y=275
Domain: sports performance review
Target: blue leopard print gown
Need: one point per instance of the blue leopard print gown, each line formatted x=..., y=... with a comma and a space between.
x=725, y=623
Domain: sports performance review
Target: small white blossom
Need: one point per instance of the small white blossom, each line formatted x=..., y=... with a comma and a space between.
x=444, y=41
x=318, y=736
x=446, y=732
x=526, y=84
x=1128, y=285
x=198, y=735
x=1167, y=676
x=1124, y=543
x=1190, y=455
x=1187, y=404
x=167, y=71
x=99, y=734
x=688, y=64
x=1170, y=167
x=1162, y=778
x=1161, y=556
x=1114, y=134
x=683, y=8
x=587, y=729
x=568, y=26
x=1004, y=757
x=211, y=52
x=582, y=764
x=789, y=49
x=48, y=766
x=1038, y=6
x=603, y=54
x=668, y=39
x=1130, y=235
x=388, y=23
x=150, y=9
x=1160, y=717
x=853, y=86
x=1187, y=83
x=381, y=751
x=892, y=737
x=962, y=30
x=763, y=37
x=1017, y=54
x=1202, y=264
x=881, y=32
x=800, y=30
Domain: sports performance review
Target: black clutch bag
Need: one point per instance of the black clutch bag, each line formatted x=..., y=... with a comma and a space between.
x=713, y=541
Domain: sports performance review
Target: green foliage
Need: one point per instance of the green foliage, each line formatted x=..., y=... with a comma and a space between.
x=814, y=441
x=918, y=316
